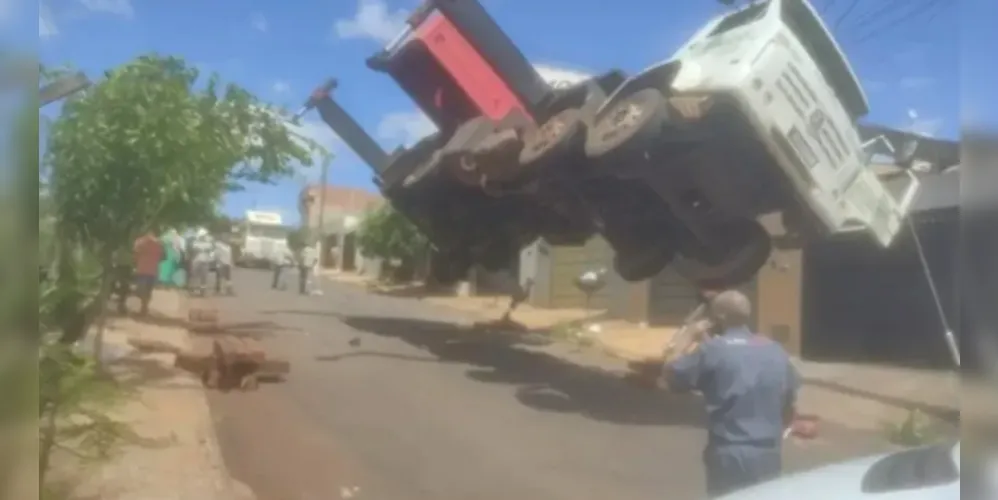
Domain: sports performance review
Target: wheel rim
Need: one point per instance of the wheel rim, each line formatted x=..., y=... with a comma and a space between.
x=546, y=136
x=467, y=162
x=625, y=117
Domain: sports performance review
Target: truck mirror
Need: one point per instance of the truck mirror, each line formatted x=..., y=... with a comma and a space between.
x=904, y=156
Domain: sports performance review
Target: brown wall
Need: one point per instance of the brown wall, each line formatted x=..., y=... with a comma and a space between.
x=778, y=299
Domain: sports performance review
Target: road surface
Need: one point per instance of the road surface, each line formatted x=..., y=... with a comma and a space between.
x=388, y=399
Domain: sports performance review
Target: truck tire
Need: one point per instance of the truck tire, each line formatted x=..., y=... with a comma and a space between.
x=640, y=264
x=631, y=125
x=559, y=136
x=749, y=250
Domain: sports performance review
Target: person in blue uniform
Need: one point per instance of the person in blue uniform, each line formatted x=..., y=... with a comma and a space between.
x=749, y=388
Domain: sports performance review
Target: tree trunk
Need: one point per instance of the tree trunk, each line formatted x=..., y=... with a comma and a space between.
x=47, y=441
x=107, y=265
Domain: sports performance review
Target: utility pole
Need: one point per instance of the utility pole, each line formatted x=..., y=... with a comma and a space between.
x=326, y=160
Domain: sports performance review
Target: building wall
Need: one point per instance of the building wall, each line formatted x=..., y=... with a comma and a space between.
x=778, y=292
x=778, y=299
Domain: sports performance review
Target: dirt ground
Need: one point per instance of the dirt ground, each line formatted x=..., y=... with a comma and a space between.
x=179, y=457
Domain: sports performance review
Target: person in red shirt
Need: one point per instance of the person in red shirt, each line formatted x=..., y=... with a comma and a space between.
x=148, y=251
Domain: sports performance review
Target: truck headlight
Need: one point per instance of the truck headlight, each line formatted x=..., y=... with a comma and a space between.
x=690, y=76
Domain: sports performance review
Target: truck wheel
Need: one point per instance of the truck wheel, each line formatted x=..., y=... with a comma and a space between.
x=559, y=136
x=631, y=124
x=748, y=251
x=644, y=263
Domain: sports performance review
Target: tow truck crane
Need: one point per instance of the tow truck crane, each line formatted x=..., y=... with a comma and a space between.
x=757, y=113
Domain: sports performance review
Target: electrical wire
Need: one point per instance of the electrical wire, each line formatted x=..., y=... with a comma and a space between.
x=845, y=14
x=911, y=15
x=867, y=17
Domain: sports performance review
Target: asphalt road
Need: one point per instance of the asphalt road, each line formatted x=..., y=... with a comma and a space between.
x=418, y=409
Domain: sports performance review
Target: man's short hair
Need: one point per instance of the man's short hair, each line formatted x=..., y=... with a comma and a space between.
x=732, y=307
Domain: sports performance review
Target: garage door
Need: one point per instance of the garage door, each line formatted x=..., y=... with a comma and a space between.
x=865, y=303
x=568, y=263
x=672, y=298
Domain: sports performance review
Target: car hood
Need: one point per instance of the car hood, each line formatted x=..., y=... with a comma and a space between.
x=840, y=481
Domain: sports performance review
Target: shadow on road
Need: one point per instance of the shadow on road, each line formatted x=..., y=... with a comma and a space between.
x=544, y=381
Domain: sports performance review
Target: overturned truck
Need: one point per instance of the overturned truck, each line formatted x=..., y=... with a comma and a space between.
x=756, y=114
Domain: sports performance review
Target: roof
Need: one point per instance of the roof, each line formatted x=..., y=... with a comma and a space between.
x=937, y=191
x=348, y=199
x=940, y=153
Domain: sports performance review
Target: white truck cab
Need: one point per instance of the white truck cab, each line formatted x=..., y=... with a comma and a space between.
x=771, y=105
x=783, y=67
x=264, y=239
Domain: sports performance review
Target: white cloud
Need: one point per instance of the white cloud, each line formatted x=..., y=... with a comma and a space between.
x=916, y=82
x=928, y=127
x=259, y=22
x=46, y=23
x=374, y=20
x=121, y=8
x=559, y=76
x=405, y=127
x=874, y=86
x=281, y=87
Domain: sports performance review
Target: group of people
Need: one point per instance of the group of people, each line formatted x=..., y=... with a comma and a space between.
x=304, y=261
x=173, y=261
x=206, y=255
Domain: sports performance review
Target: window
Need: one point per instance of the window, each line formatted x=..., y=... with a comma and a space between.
x=741, y=18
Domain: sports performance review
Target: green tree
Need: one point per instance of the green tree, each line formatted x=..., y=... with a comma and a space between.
x=148, y=146
x=387, y=234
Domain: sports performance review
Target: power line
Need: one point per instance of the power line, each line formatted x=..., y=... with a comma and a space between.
x=845, y=14
x=870, y=16
x=910, y=15
x=880, y=14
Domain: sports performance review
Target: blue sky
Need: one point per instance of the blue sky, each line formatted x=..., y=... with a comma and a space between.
x=907, y=57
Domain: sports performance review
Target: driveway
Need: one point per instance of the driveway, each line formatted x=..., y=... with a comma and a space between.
x=390, y=399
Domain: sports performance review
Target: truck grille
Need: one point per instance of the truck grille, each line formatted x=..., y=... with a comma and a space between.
x=795, y=89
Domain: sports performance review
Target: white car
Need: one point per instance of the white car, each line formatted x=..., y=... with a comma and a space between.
x=925, y=473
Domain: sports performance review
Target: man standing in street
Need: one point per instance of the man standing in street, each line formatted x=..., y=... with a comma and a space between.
x=223, y=267
x=284, y=260
x=306, y=264
x=148, y=253
x=749, y=388
x=202, y=256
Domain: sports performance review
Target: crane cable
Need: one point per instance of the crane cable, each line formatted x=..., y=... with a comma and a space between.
x=948, y=335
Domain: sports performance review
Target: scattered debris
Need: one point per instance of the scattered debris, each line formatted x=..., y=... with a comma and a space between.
x=232, y=362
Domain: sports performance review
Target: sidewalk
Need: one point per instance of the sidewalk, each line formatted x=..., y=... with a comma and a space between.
x=170, y=409
x=853, y=395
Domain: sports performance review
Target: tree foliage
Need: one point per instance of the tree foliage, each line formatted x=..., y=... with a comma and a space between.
x=146, y=145
x=385, y=233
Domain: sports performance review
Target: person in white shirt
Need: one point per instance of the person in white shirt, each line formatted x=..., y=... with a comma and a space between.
x=306, y=264
x=202, y=257
x=223, y=267
x=286, y=260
